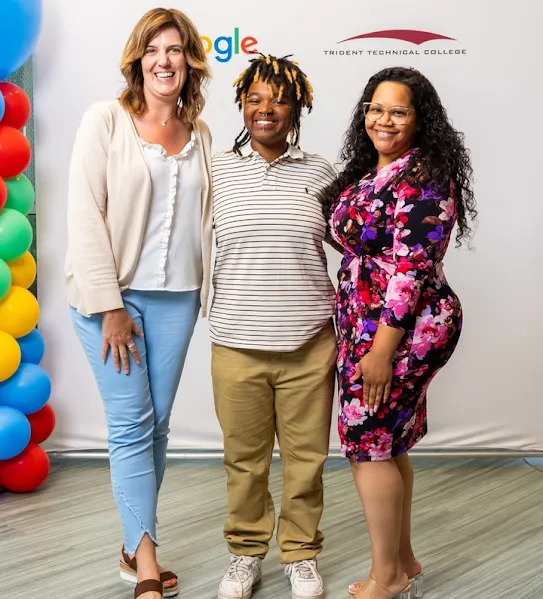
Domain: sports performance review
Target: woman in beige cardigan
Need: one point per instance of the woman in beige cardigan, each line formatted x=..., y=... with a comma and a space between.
x=139, y=252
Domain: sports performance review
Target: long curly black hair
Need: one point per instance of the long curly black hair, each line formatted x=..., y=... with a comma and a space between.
x=443, y=156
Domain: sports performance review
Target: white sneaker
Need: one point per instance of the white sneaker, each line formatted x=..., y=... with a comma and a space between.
x=305, y=579
x=242, y=573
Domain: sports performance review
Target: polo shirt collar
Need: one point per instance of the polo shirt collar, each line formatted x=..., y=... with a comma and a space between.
x=292, y=151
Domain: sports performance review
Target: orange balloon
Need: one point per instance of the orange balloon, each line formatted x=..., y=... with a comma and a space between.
x=11, y=356
x=19, y=312
x=23, y=270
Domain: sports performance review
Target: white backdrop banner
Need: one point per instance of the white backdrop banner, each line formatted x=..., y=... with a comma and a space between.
x=481, y=56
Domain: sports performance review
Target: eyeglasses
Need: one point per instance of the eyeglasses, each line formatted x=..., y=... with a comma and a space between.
x=398, y=114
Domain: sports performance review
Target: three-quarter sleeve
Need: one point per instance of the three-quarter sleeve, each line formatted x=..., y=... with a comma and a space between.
x=423, y=220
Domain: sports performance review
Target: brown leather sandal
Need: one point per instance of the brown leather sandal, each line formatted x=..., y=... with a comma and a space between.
x=148, y=586
x=129, y=570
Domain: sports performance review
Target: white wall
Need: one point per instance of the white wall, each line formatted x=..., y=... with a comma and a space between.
x=489, y=396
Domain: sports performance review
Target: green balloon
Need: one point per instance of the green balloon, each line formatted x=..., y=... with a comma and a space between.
x=21, y=194
x=5, y=279
x=15, y=234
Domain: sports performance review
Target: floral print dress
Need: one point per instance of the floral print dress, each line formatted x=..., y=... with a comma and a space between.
x=394, y=232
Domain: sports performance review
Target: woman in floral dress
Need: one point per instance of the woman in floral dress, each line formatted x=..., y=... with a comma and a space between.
x=406, y=183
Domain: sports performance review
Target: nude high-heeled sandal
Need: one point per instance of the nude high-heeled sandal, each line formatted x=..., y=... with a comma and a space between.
x=416, y=582
x=368, y=587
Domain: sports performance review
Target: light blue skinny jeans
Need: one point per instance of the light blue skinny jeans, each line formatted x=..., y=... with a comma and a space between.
x=138, y=405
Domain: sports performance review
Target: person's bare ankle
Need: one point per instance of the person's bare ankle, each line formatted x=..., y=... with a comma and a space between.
x=411, y=565
x=392, y=578
x=148, y=571
x=150, y=595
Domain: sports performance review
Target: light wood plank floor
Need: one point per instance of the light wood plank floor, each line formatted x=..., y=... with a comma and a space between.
x=478, y=530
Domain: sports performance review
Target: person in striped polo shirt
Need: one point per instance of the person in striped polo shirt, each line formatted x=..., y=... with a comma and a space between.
x=274, y=342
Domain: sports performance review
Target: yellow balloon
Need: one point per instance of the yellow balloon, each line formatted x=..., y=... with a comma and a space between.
x=23, y=270
x=11, y=356
x=19, y=312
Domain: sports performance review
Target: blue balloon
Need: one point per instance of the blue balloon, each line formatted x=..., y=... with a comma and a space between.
x=20, y=25
x=32, y=347
x=14, y=432
x=28, y=390
x=2, y=106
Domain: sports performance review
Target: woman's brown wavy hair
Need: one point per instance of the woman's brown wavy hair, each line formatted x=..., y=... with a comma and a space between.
x=148, y=27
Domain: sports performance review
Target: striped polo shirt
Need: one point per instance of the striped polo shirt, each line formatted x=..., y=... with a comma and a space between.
x=272, y=291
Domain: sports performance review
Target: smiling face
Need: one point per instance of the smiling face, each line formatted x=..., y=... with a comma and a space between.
x=390, y=130
x=164, y=66
x=267, y=118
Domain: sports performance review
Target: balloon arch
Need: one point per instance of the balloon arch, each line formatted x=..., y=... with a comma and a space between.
x=26, y=418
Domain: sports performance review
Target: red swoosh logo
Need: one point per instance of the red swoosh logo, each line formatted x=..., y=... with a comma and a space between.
x=406, y=35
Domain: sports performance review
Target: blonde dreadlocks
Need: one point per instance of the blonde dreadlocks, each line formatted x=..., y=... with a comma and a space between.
x=288, y=80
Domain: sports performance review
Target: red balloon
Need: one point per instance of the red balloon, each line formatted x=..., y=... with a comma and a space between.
x=17, y=106
x=3, y=193
x=42, y=424
x=15, y=152
x=25, y=472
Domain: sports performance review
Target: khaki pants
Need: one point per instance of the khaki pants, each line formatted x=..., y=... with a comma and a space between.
x=259, y=394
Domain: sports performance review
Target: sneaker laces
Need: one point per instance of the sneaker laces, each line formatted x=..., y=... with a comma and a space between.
x=306, y=569
x=240, y=568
